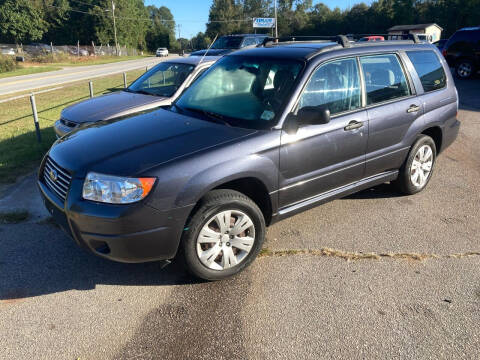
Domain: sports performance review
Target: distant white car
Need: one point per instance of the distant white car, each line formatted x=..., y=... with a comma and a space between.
x=161, y=52
x=8, y=51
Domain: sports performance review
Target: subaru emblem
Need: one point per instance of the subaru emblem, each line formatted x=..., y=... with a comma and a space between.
x=53, y=175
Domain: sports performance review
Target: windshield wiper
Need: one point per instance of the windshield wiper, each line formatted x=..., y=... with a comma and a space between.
x=213, y=116
x=139, y=92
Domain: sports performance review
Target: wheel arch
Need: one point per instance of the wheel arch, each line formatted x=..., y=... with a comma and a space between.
x=435, y=132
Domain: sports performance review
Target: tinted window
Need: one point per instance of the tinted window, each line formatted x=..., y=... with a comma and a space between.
x=384, y=78
x=249, y=42
x=429, y=69
x=227, y=42
x=335, y=85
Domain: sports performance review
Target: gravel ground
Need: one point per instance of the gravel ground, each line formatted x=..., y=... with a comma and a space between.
x=59, y=302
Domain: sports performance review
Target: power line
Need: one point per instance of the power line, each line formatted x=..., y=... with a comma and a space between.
x=149, y=19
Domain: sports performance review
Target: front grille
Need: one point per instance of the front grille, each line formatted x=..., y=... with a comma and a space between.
x=68, y=123
x=56, y=178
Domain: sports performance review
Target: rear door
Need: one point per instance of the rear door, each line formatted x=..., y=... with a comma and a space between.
x=392, y=107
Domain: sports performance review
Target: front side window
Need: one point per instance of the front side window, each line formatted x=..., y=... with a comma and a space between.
x=335, y=85
x=429, y=69
x=162, y=80
x=384, y=78
x=249, y=42
x=238, y=89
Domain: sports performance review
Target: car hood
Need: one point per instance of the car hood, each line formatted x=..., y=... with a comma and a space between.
x=212, y=52
x=130, y=146
x=110, y=106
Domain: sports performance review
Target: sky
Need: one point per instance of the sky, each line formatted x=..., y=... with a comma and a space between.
x=192, y=15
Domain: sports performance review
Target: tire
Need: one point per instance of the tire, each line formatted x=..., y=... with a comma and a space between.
x=408, y=182
x=464, y=69
x=209, y=245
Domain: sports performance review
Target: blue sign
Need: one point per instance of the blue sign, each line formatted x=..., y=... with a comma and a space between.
x=264, y=22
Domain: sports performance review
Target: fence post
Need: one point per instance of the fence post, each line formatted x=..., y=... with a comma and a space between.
x=51, y=47
x=78, y=48
x=35, y=117
x=125, y=80
x=90, y=87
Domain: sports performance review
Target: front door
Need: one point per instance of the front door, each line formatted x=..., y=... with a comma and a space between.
x=319, y=158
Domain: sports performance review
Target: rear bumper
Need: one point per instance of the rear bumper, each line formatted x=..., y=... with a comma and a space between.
x=126, y=233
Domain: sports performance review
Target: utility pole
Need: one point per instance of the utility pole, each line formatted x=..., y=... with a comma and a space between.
x=114, y=28
x=276, y=26
x=179, y=27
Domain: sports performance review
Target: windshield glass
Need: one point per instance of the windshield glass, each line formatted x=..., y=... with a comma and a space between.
x=163, y=80
x=243, y=91
x=228, y=42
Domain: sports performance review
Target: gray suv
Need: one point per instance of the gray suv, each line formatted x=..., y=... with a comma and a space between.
x=262, y=135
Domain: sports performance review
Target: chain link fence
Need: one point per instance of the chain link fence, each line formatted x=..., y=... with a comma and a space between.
x=32, y=51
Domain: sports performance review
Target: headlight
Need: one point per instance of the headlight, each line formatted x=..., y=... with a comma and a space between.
x=114, y=189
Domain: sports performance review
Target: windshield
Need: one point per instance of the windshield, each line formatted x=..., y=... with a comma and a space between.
x=227, y=42
x=163, y=80
x=243, y=91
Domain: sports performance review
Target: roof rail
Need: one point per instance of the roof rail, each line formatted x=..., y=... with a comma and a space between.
x=412, y=37
x=340, y=39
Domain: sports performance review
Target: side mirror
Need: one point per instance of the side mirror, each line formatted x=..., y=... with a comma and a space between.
x=309, y=115
x=313, y=115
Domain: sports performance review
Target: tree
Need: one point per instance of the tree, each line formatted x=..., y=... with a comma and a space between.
x=21, y=21
x=161, y=32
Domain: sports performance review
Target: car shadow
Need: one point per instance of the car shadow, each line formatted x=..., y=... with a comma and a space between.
x=383, y=191
x=39, y=259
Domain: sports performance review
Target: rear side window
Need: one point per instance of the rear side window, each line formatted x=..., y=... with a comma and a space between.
x=429, y=69
x=384, y=78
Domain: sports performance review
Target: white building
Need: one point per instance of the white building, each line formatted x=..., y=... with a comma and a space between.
x=426, y=32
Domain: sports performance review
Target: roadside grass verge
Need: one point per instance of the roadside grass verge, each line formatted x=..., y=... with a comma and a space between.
x=20, y=152
x=29, y=70
x=13, y=217
x=92, y=60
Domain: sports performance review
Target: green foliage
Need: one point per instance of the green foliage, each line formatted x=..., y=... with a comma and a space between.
x=20, y=21
x=161, y=32
x=7, y=63
x=301, y=17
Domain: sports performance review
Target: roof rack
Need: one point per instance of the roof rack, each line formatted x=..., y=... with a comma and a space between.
x=340, y=39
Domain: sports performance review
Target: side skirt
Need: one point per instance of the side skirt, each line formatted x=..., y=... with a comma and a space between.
x=334, y=194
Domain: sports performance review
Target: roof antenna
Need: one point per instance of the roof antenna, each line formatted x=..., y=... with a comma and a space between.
x=208, y=49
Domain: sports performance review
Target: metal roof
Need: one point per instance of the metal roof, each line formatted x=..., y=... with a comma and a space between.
x=413, y=27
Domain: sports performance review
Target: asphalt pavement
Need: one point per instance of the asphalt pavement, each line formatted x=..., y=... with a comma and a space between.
x=70, y=74
x=59, y=302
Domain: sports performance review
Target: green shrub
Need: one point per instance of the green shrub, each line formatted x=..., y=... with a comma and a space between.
x=7, y=63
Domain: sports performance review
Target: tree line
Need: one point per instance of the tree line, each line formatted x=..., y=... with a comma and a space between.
x=68, y=21
x=149, y=27
x=302, y=17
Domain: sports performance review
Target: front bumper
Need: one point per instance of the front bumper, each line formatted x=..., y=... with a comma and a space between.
x=127, y=233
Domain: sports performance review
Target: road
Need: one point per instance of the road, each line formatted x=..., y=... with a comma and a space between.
x=54, y=78
x=59, y=302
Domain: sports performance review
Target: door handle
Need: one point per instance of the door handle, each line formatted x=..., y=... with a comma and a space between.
x=353, y=125
x=413, y=109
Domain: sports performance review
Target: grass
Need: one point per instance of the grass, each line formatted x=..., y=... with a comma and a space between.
x=20, y=152
x=28, y=71
x=13, y=217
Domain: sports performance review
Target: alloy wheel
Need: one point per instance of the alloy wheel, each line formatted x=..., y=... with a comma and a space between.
x=421, y=166
x=464, y=70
